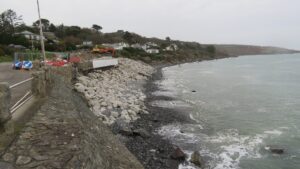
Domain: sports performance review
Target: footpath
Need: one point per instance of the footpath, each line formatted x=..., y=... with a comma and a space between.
x=64, y=133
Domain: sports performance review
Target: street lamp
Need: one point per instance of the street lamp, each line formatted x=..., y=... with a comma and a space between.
x=41, y=33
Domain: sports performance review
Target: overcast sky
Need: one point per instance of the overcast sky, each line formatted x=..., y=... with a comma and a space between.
x=257, y=22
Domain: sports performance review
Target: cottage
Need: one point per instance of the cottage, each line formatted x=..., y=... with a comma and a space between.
x=152, y=51
x=152, y=44
x=172, y=47
x=30, y=36
x=137, y=46
x=117, y=46
x=51, y=37
x=87, y=43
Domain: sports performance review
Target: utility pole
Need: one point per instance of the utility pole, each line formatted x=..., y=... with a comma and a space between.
x=41, y=33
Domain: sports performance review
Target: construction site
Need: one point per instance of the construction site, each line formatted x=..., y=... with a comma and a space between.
x=45, y=123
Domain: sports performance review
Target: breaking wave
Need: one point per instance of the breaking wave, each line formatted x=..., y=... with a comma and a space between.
x=225, y=149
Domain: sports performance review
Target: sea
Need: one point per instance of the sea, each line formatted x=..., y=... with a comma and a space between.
x=241, y=108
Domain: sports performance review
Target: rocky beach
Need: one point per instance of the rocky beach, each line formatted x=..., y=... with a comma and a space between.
x=121, y=98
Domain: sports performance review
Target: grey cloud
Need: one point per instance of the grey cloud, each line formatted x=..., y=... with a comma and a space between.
x=259, y=22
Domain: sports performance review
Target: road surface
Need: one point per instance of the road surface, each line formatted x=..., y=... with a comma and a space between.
x=7, y=74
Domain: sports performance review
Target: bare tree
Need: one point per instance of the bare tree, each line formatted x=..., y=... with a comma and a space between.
x=9, y=21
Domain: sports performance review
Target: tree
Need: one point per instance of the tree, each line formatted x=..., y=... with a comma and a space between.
x=60, y=31
x=72, y=30
x=71, y=42
x=128, y=37
x=24, y=27
x=97, y=27
x=211, y=49
x=52, y=28
x=45, y=24
x=9, y=21
x=168, y=39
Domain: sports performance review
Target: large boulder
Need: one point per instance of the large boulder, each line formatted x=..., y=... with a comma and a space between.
x=275, y=149
x=141, y=132
x=196, y=159
x=178, y=154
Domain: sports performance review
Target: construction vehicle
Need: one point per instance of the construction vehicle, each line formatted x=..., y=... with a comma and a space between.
x=104, y=50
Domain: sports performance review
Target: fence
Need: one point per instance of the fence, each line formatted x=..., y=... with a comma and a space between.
x=38, y=56
x=24, y=99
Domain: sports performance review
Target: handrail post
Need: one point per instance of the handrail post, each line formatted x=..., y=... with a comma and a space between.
x=38, y=85
x=5, y=98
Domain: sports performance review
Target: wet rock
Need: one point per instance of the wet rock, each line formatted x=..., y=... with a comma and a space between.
x=141, y=132
x=275, y=149
x=178, y=154
x=22, y=160
x=155, y=120
x=196, y=159
x=5, y=165
x=120, y=126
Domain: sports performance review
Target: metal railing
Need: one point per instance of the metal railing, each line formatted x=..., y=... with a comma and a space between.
x=28, y=95
x=20, y=83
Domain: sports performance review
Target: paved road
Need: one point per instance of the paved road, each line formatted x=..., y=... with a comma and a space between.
x=7, y=74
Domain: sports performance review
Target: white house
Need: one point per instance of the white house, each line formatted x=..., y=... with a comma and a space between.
x=51, y=36
x=31, y=36
x=117, y=46
x=151, y=47
x=172, y=47
x=152, y=51
x=137, y=46
x=87, y=43
x=152, y=44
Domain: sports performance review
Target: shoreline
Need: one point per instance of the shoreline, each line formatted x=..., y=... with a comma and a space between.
x=154, y=151
x=121, y=98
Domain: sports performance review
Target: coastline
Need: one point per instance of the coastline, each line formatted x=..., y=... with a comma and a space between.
x=121, y=98
x=154, y=151
x=139, y=132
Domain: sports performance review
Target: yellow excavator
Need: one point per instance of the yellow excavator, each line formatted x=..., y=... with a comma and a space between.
x=104, y=50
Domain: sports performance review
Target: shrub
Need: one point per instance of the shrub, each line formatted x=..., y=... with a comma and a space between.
x=2, y=53
x=6, y=58
x=211, y=49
